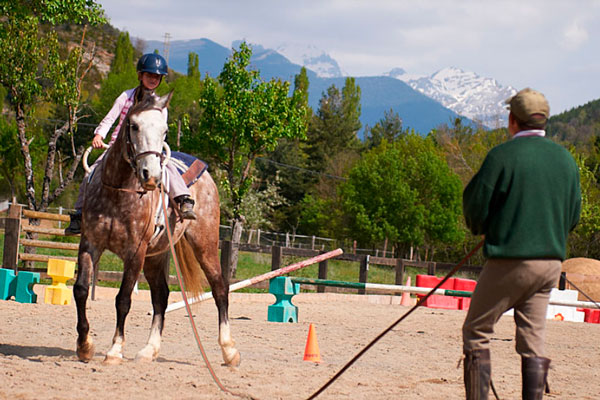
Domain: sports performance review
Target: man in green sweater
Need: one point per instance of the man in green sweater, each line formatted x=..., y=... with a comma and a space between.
x=525, y=199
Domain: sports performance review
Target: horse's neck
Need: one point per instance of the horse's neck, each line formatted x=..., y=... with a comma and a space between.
x=116, y=171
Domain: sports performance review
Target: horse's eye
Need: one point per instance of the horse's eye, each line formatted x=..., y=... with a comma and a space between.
x=135, y=127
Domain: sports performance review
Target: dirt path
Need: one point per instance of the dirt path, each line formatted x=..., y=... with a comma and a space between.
x=417, y=360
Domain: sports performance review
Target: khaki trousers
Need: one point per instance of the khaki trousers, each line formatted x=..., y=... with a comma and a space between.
x=524, y=285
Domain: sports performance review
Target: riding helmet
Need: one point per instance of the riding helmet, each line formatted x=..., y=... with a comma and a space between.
x=153, y=63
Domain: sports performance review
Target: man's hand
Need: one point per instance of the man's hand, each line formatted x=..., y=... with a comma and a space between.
x=97, y=142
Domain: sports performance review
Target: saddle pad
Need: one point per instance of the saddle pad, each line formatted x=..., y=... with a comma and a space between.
x=190, y=168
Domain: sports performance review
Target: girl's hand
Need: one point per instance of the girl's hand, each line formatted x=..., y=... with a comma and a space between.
x=97, y=142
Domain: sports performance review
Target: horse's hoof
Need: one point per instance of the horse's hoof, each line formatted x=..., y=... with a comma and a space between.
x=145, y=356
x=235, y=361
x=85, y=352
x=112, y=360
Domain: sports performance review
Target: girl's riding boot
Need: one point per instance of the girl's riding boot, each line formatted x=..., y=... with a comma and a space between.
x=186, y=206
x=534, y=371
x=478, y=369
x=74, y=227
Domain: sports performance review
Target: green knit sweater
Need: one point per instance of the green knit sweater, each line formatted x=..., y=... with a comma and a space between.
x=525, y=199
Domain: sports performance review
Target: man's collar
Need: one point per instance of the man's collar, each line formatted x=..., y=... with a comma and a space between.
x=531, y=132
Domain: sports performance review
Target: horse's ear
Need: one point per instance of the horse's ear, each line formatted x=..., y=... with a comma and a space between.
x=164, y=101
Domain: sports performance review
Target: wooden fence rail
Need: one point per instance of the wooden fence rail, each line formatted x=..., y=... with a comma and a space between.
x=18, y=221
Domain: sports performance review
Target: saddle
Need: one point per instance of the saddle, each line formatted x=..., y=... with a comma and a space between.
x=190, y=167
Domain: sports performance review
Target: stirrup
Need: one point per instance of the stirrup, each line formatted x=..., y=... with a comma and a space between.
x=186, y=207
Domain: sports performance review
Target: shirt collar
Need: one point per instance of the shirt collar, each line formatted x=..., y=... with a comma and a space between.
x=532, y=132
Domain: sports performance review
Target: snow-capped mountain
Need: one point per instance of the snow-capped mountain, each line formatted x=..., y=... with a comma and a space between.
x=466, y=93
x=312, y=58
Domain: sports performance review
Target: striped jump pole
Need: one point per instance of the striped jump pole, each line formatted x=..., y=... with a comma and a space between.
x=260, y=278
x=377, y=287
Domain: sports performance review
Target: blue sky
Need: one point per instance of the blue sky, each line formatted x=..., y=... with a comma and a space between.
x=549, y=45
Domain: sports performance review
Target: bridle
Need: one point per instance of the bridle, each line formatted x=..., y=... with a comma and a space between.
x=132, y=157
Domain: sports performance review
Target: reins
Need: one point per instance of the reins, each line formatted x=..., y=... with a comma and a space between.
x=187, y=304
x=382, y=334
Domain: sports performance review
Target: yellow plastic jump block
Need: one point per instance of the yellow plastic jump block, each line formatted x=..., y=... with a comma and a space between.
x=60, y=271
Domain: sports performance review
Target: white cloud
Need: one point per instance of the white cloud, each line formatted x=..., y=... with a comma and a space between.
x=574, y=36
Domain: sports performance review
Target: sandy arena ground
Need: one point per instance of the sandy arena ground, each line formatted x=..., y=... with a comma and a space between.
x=417, y=360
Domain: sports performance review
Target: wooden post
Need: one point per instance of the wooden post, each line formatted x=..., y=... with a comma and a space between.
x=258, y=237
x=322, y=275
x=12, y=233
x=312, y=246
x=363, y=272
x=287, y=239
x=385, y=247
x=354, y=248
x=225, y=257
x=276, y=256
x=431, y=268
x=399, y=271
x=250, y=232
x=178, y=133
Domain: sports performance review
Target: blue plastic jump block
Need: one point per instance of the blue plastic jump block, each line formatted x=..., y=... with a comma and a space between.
x=283, y=310
x=20, y=286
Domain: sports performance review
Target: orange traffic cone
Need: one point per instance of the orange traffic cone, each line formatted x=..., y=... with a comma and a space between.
x=406, y=300
x=311, y=352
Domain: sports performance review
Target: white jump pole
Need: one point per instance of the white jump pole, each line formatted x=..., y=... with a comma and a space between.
x=260, y=278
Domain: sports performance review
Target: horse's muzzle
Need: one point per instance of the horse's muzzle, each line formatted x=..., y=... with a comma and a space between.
x=150, y=183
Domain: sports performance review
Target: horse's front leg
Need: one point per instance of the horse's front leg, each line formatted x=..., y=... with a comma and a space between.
x=131, y=271
x=86, y=259
x=156, y=270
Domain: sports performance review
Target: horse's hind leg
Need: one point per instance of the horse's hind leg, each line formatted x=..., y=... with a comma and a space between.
x=206, y=252
x=87, y=257
x=156, y=270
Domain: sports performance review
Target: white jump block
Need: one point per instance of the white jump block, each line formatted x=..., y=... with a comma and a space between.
x=568, y=313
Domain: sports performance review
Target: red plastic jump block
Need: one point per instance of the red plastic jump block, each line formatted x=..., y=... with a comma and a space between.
x=466, y=285
x=437, y=301
x=591, y=315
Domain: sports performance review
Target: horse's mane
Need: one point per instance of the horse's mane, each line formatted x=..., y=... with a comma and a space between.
x=143, y=100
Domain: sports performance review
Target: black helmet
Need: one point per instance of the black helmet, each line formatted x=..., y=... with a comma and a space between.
x=153, y=63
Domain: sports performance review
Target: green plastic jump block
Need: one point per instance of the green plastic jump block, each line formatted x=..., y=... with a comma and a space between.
x=20, y=286
x=283, y=310
x=8, y=283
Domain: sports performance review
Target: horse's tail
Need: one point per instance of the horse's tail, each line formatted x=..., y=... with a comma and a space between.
x=193, y=276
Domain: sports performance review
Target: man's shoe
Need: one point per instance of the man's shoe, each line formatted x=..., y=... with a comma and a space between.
x=74, y=227
x=186, y=207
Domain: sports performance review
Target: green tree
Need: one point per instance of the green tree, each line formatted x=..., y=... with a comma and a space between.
x=288, y=162
x=122, y=75
x=34, y=70
x=333, y=130
x=388, y=128
x=242, y=118
x=405, y=192
x=584, y=241
x=184, y=112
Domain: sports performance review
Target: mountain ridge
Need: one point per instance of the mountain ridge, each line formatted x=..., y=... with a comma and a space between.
x=378, y=94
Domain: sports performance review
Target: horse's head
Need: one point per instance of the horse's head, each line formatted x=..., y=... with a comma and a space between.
x=146, y=131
